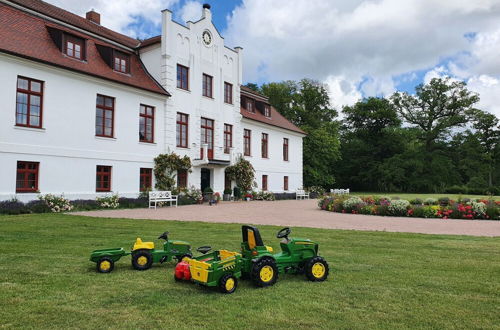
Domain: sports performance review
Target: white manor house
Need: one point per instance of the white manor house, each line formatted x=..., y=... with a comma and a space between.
x=85, y=110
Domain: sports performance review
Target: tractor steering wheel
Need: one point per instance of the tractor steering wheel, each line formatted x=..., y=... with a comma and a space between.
x=283, y=233
x=164, y=236
x=204, y=249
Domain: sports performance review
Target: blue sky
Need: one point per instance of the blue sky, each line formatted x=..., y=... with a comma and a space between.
x=358, y=48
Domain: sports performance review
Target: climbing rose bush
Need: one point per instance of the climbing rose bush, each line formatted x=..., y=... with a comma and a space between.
x=110, y=202
x=56, y=203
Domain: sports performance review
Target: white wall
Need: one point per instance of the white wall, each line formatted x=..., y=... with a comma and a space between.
x=274, y=166
x=66, y=146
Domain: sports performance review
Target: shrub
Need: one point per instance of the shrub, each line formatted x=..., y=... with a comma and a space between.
x=37, y=206
x=227, y=191
x=12, y=207
x=430, y=201
x=382, y=200
x=457, y=190
x=237, y=192
x=208, y=191
x=398, y=207
x=368, y=200
x=417, y=212
x=444, y=201
x=318, y=190
x=429, y=211
x=479, y=209
x=110, y=201
x=417, y=201
x=351, y=203
x=56, y=203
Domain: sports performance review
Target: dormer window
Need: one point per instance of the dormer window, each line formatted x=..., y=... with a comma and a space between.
x=74, y=47
x=250, y=105
x=267, y=110
x=121, y=62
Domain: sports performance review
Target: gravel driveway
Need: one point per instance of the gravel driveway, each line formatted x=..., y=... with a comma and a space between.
x=304, y=213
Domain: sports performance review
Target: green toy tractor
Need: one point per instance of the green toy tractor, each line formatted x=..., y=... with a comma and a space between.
x=256, y=261
x=143, y=254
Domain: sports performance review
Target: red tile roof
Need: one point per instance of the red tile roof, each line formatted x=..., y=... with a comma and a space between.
x=276, y=118
x=78, y=21
x=150, y=41
x=27, y=36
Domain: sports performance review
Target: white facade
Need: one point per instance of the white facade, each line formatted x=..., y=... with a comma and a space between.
x=68, y=150
x=66, y=146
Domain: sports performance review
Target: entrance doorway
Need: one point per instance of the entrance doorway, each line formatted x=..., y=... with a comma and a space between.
x=205, y=179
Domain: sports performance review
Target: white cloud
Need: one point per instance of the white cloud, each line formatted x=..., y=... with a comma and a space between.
x=342, y=91
x=489, y=90
x=191, y=11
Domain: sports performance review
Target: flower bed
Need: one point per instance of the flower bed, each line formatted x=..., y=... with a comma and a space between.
x=443, y=208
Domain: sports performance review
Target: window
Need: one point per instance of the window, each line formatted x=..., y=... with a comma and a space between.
x=285, y=149
x=267, y=110
x=182, y=77
x=182, y=130
x=264, y=145
x=285, y=183
x=250, y=105
x=104, y=116
x=27, y=177
x=228, y=138
x=74, y=47
x=145, y=179
x=207, y=85
x=120, y=62
x=29, y=102
x=207, y=136
x=182, y=176
x=103, y=178
x=247, y=139
x=228, y=93
x=264, y=182
x=146, y=123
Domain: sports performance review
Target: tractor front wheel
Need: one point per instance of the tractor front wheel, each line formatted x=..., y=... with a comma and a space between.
x=264, y=272
x=316, y=269
x=105, y=265
x=142, y=259
x=228, y=283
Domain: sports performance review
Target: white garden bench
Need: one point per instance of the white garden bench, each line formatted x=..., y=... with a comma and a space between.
x=301, y=194
x=340, y=191
x=161, y=196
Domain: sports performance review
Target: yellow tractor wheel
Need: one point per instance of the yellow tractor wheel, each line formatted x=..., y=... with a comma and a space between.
x=317, y=269
x=105, y=265
x=264, y=272
x=142, y=259
x=228, y=283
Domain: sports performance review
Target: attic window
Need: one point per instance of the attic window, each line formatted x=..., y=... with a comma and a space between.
x=250, y=105
x=74, y=47
x=121, y=62
x=267, y=110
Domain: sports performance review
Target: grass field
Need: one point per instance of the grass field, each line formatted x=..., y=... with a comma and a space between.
x=424, y=196
x=377, y=280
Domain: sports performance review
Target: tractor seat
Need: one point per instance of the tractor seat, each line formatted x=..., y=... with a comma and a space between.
x=139, y=244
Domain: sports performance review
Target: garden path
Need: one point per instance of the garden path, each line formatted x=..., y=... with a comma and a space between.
x=304, y=213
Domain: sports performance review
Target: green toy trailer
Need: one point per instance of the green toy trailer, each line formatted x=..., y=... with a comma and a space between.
x=256, y=261
x=143, y=254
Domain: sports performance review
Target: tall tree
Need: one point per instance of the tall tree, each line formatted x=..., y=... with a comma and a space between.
x=488, y=132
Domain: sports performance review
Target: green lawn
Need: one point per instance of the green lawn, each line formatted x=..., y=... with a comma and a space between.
x=424, y=196
x=377, y=280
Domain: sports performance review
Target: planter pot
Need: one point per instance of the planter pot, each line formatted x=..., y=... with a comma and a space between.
x=226, y=197
x=248, y=199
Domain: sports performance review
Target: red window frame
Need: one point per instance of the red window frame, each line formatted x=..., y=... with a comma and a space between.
x=285, y=149
x=182, y=178
x=208, y=85
x=74, y=47
x=182, y=132
x=264, y=182
x=182, y=77
x=105, y=112
x=265, y=140
x=285, y=183
x=247, y=142
x=103, y=178
x=121, y=62
x=228, y=93
x=207, y=136
x=228, y=138
x=146, y=121
x=145, y=179
x=267, y=110
x=23, y=172
x=26, y=114
x=250, y=105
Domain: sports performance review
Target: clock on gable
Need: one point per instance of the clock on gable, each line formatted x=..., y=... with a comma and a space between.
x=207, y=37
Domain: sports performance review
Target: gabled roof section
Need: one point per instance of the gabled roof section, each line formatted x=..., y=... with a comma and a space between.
x=150, y=41
x=276, y=119
x=77, y=21
x=29, y=36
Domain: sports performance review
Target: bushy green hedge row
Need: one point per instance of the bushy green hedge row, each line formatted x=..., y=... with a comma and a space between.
x=444, y=208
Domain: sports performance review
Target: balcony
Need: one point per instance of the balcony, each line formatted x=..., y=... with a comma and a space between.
x=216, y=156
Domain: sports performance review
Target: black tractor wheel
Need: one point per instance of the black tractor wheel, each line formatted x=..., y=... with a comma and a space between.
x=264, y=272
x=228, y=283
x=179, y=258
x=316, y=269
x=105, y=265
x=142, y=259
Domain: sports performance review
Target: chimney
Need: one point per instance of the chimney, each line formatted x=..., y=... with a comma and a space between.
x=206, y=11
x=94, y=16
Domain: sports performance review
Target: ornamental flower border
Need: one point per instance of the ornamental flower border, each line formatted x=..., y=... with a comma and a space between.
x=464, y=209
